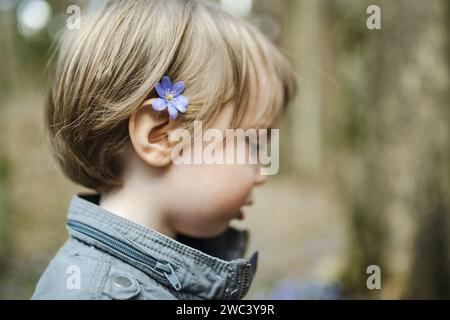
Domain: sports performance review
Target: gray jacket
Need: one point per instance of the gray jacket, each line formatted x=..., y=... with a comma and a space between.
x=109, y=257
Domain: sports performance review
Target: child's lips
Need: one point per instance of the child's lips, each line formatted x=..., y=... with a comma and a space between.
x=240, y=214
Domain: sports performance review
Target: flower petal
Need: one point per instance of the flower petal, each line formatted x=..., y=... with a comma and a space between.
x=161, y=91
x=166, y=84
x=159, y=104
x=173, y=112
x=178, y=88
x=180, y=103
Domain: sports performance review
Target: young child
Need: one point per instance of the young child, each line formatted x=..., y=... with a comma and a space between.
x=125, y=83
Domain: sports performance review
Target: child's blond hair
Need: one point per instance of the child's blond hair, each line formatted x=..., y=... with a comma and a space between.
x=107, y=68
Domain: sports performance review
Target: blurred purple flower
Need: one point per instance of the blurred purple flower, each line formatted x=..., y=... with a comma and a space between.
x=290, y=289
x=170, y=97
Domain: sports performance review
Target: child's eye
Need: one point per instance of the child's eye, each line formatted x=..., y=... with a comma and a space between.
x=252, y=143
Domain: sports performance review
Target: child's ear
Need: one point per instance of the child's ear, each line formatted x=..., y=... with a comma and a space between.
x=149, y=133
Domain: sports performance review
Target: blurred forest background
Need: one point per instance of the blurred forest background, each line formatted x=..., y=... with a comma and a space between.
x=365, y=164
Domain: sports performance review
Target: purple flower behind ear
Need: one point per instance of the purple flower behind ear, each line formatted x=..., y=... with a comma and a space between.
x=170, y=97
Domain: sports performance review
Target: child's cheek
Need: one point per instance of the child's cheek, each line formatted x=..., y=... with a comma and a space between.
x=236, y=185
x=212, y=191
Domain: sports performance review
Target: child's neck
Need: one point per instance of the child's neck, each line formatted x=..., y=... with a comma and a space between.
x=135, y=209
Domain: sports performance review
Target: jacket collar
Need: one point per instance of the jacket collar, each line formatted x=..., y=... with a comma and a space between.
x=210, y=268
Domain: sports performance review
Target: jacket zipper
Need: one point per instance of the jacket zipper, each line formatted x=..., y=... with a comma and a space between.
x=244, y=280
x=127, y=250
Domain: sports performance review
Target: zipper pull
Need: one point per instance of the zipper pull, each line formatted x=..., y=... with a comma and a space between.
x=170, y=274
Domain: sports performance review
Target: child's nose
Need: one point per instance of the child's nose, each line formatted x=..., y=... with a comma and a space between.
x=260, y=178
